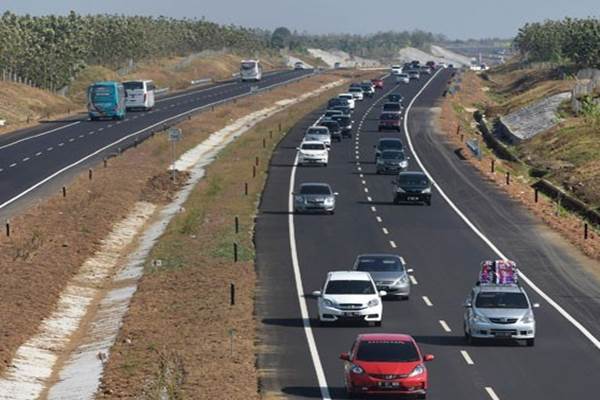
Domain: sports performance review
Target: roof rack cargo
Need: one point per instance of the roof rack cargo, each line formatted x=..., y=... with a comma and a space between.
x=499, y=272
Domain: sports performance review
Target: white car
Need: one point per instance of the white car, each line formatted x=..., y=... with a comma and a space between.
x=396, y=69
x=318, y=134
x=402, y=78
x=351, y=99
x=352, y=296
x=313, y=152
x=357, y=92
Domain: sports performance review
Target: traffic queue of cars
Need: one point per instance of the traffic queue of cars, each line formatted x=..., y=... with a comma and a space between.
x=392, y=363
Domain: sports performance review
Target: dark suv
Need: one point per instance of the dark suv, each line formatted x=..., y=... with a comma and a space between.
x=345, y=124
x=334, y=128
x=390, y=120
x=387, y=144
x=395, y=98
x=413, y=187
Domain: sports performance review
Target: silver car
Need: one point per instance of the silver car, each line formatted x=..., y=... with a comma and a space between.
x=314, y=197
x=495, y=311
x=388, y=271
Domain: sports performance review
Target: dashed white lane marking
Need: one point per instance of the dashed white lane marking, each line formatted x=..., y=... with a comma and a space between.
x=50, y=149
x=369, y=199
x=491, y=393
x=25, y=159
x=467, y=357
x=82, y=135
x=1, y=169
x=364, y=182
x=61, y=144
x=357, y=157
x=427, y=301
x=359, y=168
x=373, y=209
x=445, y=326
x=71, y=140
x=378, y=218
x=100, y=129
x=109, y=126
x=413, y=280
x=39, y=135
x=366, y=190
x=361, y=175
x=385, y=231
x=90, y=132
x=12, y=165
x=393, y=244
x=39, y=153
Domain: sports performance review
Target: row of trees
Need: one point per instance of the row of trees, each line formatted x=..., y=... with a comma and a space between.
x=50, y=50
x=570, y=40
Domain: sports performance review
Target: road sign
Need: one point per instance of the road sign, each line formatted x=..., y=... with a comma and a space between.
x=175, y=134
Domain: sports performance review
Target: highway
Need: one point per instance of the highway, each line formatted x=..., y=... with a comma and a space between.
x=444, y=244
x=31, y=158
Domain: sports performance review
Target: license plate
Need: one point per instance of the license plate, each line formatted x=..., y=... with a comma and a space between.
x=413, y=198
x=389, y=384
x=351, y=314
x=503, y=334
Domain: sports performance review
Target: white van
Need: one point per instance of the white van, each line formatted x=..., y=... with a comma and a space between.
x=139, y=94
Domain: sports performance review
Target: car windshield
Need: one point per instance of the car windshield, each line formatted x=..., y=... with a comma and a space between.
x=392, y=155
x=387, y=351
x=391, y=107
x=313, y=146
x=315, y=189
x=349, y=287
x=413, y=180
x=248, y=65
x=391, y=144
x=379, y=264
x=501, y=300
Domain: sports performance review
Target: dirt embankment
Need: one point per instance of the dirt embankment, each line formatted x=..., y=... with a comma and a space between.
x=457, y=110
x=21, y=105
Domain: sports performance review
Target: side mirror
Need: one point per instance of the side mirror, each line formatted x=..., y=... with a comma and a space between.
x=316, y=293
x=382, y=293
x=345, y=356
x=428, y=357
x=410, y=270
x=536, y=305
x=467, y=303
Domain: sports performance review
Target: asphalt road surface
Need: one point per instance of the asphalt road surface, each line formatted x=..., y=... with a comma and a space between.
x=31, y=158
x=299, y=359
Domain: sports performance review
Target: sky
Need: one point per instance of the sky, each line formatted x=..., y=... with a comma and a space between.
x=457, y=19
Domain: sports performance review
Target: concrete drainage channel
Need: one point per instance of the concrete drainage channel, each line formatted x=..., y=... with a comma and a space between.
x=65, y=360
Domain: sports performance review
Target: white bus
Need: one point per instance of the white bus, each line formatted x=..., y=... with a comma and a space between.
x=250, y=70
x=140, y=94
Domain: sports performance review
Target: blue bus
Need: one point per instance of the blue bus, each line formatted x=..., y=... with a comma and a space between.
x=106, y=100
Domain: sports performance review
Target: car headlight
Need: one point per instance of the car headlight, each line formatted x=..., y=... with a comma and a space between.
x=328, y=303
x=528, y=318
x=404, y=164
x=329, y=201
x=373, y=303
x=419, y=369
x=400, y=190
x=479, y=318
x=299, y=199
x=402, y=279
x=426, y=190
x=355, y=369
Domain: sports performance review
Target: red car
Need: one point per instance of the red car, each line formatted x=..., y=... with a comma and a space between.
x=390, y=120
x=378, y=83
x=380, y=363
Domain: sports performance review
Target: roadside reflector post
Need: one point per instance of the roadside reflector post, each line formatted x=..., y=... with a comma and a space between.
x=280, y=127
x=264, y=143
x=535, y=195
x=235, y=252
x=105, y=162
x=64, y=191
x=232, y=294
x=462, y=138
x=458, y=130
x=90, y=174
x=585, y=230
x=256, y=161
x=271, y=134
x=7, y=228
x=246, y=188
x=237, y=224
x=254, y=171
x=231, y=335
x=493, y=166
x=508, y=177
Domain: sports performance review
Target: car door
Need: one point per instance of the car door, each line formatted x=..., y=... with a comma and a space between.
x=469, y=310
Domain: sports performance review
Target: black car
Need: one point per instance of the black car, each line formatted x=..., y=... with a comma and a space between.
x=345, y=124
x=392, y=107
x=391, y=162
x=368, y=89
x=347, y=111
x=395, y=98
x=335, y=102
x=334, y=128
x=387, y=144
x=413, y=187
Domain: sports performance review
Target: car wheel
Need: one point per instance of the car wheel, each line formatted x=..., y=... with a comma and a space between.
x=428, y=202
x=324, y=164
x=396, y=200
x=530, y=342
x=422, y=396
x=331, y=212
x=472, y=341
x=378, y=172
x=378, y=323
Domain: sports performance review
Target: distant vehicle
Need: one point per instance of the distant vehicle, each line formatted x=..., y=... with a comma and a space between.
x=313, y=152
x=431, y=64
x=387, y=144
x=350, y=295
x=350, y=98
x=414, y=74
x=337, y=65
x=334, y=128
x=338, y=102
x=299, y=65
x=345, y=110
x=396, y=69
x=314, y=197
x=451, y=66
x=402, y=78
x=378, y=83
x=498, y=307
x=318, y=134
x=415, y=63
x=388, y=271
x=250, y=70
x=106, y=100
x=368, y=89
x=357, y=92
x=391, y=107
x=331, y=113
x=389, y=120
x=140, y=94
x=391, y=161
x=386, y=364
x=425, y=70
x=345, y=123
x=413, y=187
x=395, y=98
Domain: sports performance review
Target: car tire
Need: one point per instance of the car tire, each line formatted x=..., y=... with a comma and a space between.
x=472, y=341
x=404, y=298
x=530, y=342
x=422, y=396
x=331, y=212
x=378, y=172
x=324, y=164
x=428, y=202
x=378, y=323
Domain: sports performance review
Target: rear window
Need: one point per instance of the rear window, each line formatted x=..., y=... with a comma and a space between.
x=349, y=287
x=391, y=107
x=389, y=117
x=391, y=144
x=379, y=264
x=387, y=351
x=318, y=131
x=134, y=85
x=315, y=189
x=313, y=146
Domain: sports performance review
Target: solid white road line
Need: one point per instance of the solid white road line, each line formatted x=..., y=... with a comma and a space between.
x=413, y=280
x=467, y=357
x=595, y=341
x=312, y=346
x=491, y=393
x=39, y=135
x=445, y=326
x=427, y=301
